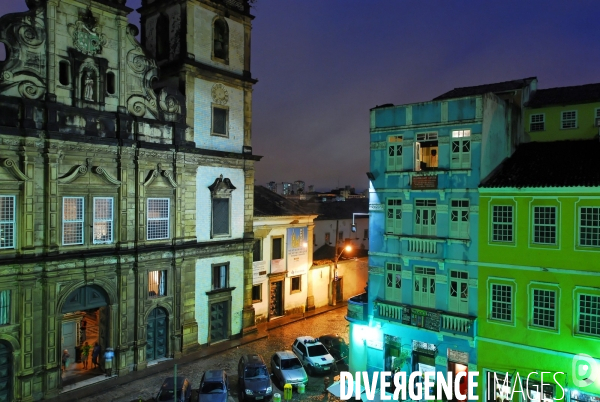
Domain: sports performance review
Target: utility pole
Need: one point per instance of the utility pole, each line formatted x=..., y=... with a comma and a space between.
x=334, y=276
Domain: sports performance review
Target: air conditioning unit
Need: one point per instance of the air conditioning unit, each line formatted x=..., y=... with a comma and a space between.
x=597, y=122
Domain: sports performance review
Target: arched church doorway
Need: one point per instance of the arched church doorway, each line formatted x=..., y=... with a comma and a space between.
x=156, y=334
x=86, y=319
x=6, y=374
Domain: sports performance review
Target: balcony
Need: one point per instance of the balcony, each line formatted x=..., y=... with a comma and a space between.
x=358, y=309
x=417, y=245
x=420, y=317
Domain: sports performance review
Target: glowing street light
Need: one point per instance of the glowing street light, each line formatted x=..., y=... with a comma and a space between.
x=335, y=277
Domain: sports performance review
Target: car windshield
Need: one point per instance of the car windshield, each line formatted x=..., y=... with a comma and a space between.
x=290, y=364
x=256, y=372
x=317, y=350
x=212, y=388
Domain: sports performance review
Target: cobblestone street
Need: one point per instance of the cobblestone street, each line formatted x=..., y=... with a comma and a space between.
x=279, y=339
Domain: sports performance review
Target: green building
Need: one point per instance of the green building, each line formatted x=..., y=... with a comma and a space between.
x=539, y=256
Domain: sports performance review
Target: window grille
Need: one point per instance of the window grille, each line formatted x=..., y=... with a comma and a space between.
x=502, y=223
x=219, y=278
x=157, y=283
x=220, y=216
x=589, y=314
x=7, y=221
x=589, y=226
x=4, y=307
x=544, y=225
x=537, y=122
x=103, y=220
x=568, y=119
x=158, y=218
x=501, y=302
x=72, y=220
x=544, y=308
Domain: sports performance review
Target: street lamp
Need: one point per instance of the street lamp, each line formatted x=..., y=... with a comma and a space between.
x=353, y=227
x=335, y=277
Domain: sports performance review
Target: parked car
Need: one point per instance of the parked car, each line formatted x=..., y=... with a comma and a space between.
x=167, y=390
x=336, y=345
x=254, y=382
x=214, y=387
x=287, y=369
x=313, y=355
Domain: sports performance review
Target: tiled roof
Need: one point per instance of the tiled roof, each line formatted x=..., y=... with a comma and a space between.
x=268, y=203
x=339, y=209
x=566, y=95
x=486, y=88
x=326, y=253
x=550, y=164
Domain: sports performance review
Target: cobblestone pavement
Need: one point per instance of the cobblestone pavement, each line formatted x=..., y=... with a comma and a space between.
x=279, y=339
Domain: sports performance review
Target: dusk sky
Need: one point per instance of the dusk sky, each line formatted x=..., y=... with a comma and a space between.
x=322, y=64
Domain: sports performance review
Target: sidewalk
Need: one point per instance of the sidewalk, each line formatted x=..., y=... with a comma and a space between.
x=261, y=333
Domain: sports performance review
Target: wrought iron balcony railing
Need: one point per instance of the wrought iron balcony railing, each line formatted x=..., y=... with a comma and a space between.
x=358, y=308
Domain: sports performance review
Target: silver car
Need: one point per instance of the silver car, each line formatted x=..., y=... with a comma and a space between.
x=287, y=369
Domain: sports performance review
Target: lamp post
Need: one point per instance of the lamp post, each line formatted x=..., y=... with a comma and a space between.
x=335, y=275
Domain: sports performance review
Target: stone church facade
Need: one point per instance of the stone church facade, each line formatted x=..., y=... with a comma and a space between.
x=125, y=194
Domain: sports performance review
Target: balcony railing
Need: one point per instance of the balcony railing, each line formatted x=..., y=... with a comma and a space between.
x=358, y=308
x=455, y=324
x=416, y=245
x=415, y=316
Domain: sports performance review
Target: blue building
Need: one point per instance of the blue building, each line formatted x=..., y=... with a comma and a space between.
x=427, y=160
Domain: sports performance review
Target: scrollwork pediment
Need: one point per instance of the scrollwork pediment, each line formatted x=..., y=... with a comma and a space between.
x=221, y=186
x=81, y=170
x=167, y=174
x=13, y=168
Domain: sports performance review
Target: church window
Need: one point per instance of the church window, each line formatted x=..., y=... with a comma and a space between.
x=63, y=73
x=220, y=39
x=219, y=120
x=110, y=83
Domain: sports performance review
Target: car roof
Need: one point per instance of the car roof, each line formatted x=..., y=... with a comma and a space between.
x=169, y=381
x=255, y=360
x=304, y=339
x=331, y=336
x=214, y=375
x=286, y=354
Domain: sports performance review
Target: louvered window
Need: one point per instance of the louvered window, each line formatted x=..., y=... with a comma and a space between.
x=393, y=282
x=393, y=223
x=459, y=219
x=394, y=157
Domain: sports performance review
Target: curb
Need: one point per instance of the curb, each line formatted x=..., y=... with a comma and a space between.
x=262, y=333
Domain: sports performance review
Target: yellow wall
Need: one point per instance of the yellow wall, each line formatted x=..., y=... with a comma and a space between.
x=553, y=132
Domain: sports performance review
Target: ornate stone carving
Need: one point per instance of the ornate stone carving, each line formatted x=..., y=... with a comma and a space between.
x=221, y=186
x=167, y=174
x=107, y=176
x=220, y=94
x=13, y=168
x=75, y=172
x=86, y=35
x=24, y=72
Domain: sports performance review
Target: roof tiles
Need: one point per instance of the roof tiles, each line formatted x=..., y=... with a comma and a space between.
x=550, y=164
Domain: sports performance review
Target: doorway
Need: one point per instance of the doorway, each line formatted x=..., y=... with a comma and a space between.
x=6, y=374
x=156, y=334
x=86, y=319
x=276, y=300
x=456, y=368
x=339, y=289
x=219, y=321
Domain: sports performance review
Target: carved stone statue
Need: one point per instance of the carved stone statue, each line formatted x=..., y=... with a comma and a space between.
x=88, y=94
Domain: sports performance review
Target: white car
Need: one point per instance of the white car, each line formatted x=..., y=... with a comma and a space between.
x=313, y=355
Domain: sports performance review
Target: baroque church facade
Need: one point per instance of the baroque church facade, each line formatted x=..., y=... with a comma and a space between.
x=126, y=185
